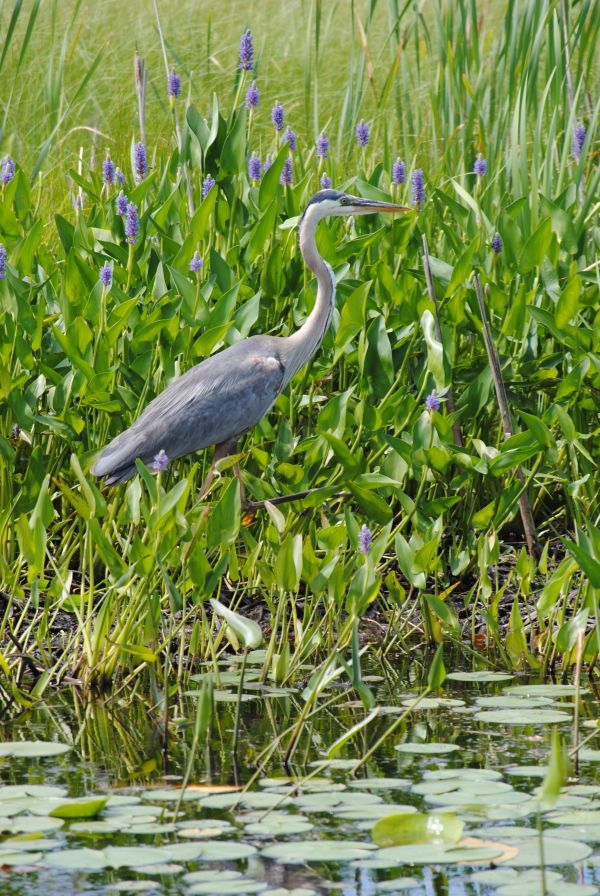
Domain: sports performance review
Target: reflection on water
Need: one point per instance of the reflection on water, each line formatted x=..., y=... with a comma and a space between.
x=125, y=746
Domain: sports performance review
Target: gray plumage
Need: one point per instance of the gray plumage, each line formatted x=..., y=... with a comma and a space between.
x=227, y=394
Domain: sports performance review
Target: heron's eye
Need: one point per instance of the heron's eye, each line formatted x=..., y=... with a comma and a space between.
x=343, y=200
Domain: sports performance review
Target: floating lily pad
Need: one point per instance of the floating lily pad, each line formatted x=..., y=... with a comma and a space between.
x=522, y=717
x=372, y=811
x=27, y=824
x=526, y=771
x=435, y=854
x=40, y=791
x=514, y=702
x=426, y=749
x=380, y=783
x=562, y=852
x=433, y=703
x=111, y=857
x=298, y=852
x=30, y=749
x=396, y=830
x=20, y=858
x=589, y=755
x=463, y=774
x=545, y=690
x=88, y=807
x=583, y=816
x=227, y=888
x=479, y=677
x=278, y=827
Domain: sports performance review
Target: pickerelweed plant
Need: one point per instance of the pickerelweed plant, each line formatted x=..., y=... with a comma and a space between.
x=80, y=357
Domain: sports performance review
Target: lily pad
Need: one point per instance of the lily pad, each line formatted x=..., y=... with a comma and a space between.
x=30, y=749
x=479, y=677
x=298, y=852
x=380, y=784
x=562, y=852
x=545, y=690
x=522, y=717
x=396, y=830
x=88, y=807
x=426, y=749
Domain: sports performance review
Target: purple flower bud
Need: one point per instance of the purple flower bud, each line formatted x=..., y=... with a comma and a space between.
x=323, y=146
x=246, y=51
x=196, y=264
x=365, y=539
x=267, y=164
x=432, y=402
x=290, y=138
x=7, y=171
x=108, y=170
x=161, y=462
x=418, y=190
x=277, y=116
x=254, y=167
x=286, y=173
x=398, y=172
x=480, y=166
x=325, y=181
x=252, y=96
x=362, y=133
x=121, y=203
x=578, y=140
x=497, y=243
x=140, y=165
x=119, y=176
x=132, y=223
x=105, y=275
x=3, y=256
x=207, y=185
x=173, y=84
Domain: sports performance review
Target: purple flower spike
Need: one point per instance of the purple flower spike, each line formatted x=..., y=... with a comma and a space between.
x=173, y=84
x=252, y=96
x=119, y=176
x=578, y=140
x=418, y=190
x=140, y=165
x=432, y=402
x=398, y=172
x=196, y=264
x=207, y=185
x=290, y=138
x=108, y=170
x=3, y=257
x=105, y=275
x=121, y=204
x=480, y=166
x=246, y=51
x=161, y=461
x=7, y=171
x=268, y=163
x=286, y=173
x=132, y=223
x=325, y=181
x=362, y=133
x=323, y=146
x=254, y=167
x=365, y=539
x=277, y=116
x=497, y=243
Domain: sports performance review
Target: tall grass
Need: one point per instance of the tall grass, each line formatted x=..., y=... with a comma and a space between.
x=438, y=85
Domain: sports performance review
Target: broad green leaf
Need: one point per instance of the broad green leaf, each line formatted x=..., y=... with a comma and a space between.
x=396, y=830
x=247, y=630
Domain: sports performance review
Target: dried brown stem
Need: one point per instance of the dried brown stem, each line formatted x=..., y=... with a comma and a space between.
x=507, y=428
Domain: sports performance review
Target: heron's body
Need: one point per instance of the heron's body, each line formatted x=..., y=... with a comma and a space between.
x=227, y=394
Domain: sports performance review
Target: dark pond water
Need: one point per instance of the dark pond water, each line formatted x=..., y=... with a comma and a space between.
x=479, y=751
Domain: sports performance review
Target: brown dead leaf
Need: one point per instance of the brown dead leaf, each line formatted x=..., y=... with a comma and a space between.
x=508, y=852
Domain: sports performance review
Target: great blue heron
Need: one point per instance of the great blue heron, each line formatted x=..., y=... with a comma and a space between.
x=225, y=395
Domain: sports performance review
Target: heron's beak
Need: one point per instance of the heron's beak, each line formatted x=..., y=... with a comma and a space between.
x=371, y=206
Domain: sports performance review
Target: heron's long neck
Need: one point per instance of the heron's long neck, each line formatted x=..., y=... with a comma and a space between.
x=304, y=342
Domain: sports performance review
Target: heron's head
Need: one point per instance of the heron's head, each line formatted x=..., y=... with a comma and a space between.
x=333, y=202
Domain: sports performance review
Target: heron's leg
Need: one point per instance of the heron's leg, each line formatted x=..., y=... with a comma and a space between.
x=221, y=451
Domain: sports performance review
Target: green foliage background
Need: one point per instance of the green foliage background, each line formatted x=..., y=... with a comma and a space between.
x=438, y=85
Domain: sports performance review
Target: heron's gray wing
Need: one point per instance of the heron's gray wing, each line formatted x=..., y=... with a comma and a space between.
x=220, y=398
